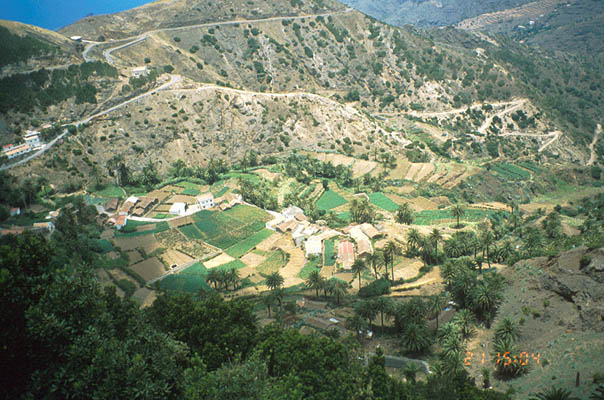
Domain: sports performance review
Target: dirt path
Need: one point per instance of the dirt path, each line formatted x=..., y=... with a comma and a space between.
x=592, y=146
x=555, y=135
x=512, y=106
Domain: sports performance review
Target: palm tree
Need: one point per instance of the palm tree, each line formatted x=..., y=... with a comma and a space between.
x=338, y=288
x=507, y=329
x=357, y=324
x=457, y=212
x=212, y=277
x=487, y=240
x=416, y=338
x=391, y=249
x=465, y=319
x=383, y=306
x=269, y=301
x=436, y=304
x=358, y=268
x=375, y=260
x=436, y=237
x=274, y=281
x=555, y=394
x=315, y=281
x=410, y=371
x=367, y=310
x=414, y=240
x=233, y=278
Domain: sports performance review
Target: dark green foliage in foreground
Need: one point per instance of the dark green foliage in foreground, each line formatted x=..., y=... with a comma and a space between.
x=63, y=337
x=15, y=48
x=25, y=92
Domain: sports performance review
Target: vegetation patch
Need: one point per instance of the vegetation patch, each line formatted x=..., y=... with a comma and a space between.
x=225, y=229
x=274, y=261
x=310, y=266
x=330, y=200
x=110, y=191
x=330, y=252
x=431, y=217
x=248, y=243
x=379, y=199
x=511, y=171
x=191, y=280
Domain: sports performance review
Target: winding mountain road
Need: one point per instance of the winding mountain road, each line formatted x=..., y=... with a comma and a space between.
x=173, y=80
x=143, y=36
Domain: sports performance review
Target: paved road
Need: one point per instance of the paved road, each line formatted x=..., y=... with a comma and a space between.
x=139, y=38
x=173, y=80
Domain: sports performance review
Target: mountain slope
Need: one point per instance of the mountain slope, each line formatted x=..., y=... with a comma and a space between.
x=27, y=47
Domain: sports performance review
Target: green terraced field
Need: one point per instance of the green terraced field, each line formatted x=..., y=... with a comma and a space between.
x=310, y=266
x=192, y=280
x=190, y=192
x=379, y=199
x=511, y=171
x=248, y=243
x=159, y=227
x=237, y=264
x=330, y=252
x=225, y=229
x=329, y=200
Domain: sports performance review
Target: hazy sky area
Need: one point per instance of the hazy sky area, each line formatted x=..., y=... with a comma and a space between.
x=55, y=14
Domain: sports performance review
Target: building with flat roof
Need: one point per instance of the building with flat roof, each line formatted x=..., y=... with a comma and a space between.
x=346, y=254
x=178, y=209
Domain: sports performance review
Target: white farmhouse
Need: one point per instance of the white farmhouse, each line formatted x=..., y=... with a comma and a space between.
x=205, y=201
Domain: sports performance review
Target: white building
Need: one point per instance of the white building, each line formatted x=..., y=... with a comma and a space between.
x=12, y=151
x=32, y=138
x=140, y=71
x=178, y=209
x=313, y=246
x=205, y=201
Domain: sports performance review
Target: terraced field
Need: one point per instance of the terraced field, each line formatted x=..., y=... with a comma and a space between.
x=329, y=200
x=379, y=199
x=225, y=229
x=431, y=217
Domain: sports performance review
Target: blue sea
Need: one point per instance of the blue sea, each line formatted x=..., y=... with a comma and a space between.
x=55, y=14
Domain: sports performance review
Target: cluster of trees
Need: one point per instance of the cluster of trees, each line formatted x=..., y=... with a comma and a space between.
x=222, y=278
x=483, y=296
x=334, y=287
x=19, y=194
x=15, y=48
x=211, y=173
x=258, y=193
x=43, y=88
x=304, y=169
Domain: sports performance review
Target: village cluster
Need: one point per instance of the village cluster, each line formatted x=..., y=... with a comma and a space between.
x=31, y=142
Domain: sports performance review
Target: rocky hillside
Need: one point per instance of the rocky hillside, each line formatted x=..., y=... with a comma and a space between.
x=430, y=13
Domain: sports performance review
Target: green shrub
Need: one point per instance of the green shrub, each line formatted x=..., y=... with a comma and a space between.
x=375, y=288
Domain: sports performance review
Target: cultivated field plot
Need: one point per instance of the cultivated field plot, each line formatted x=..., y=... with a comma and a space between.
x=160, y=195
x=181, y=199
x=159, y=227
x=329, y=200
x=379, y=199
x=145, y=242
x=217, y=261
x=225, y=229
x=175, y=257
x=329, y=254
x=192, y=280
x=134, y=256
x=273, y=262
x=510, y=171
x=149, y=269
x=172, y=189
x=430, y=217
x=173, y=239
x=248, y=243
x=237, y=264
